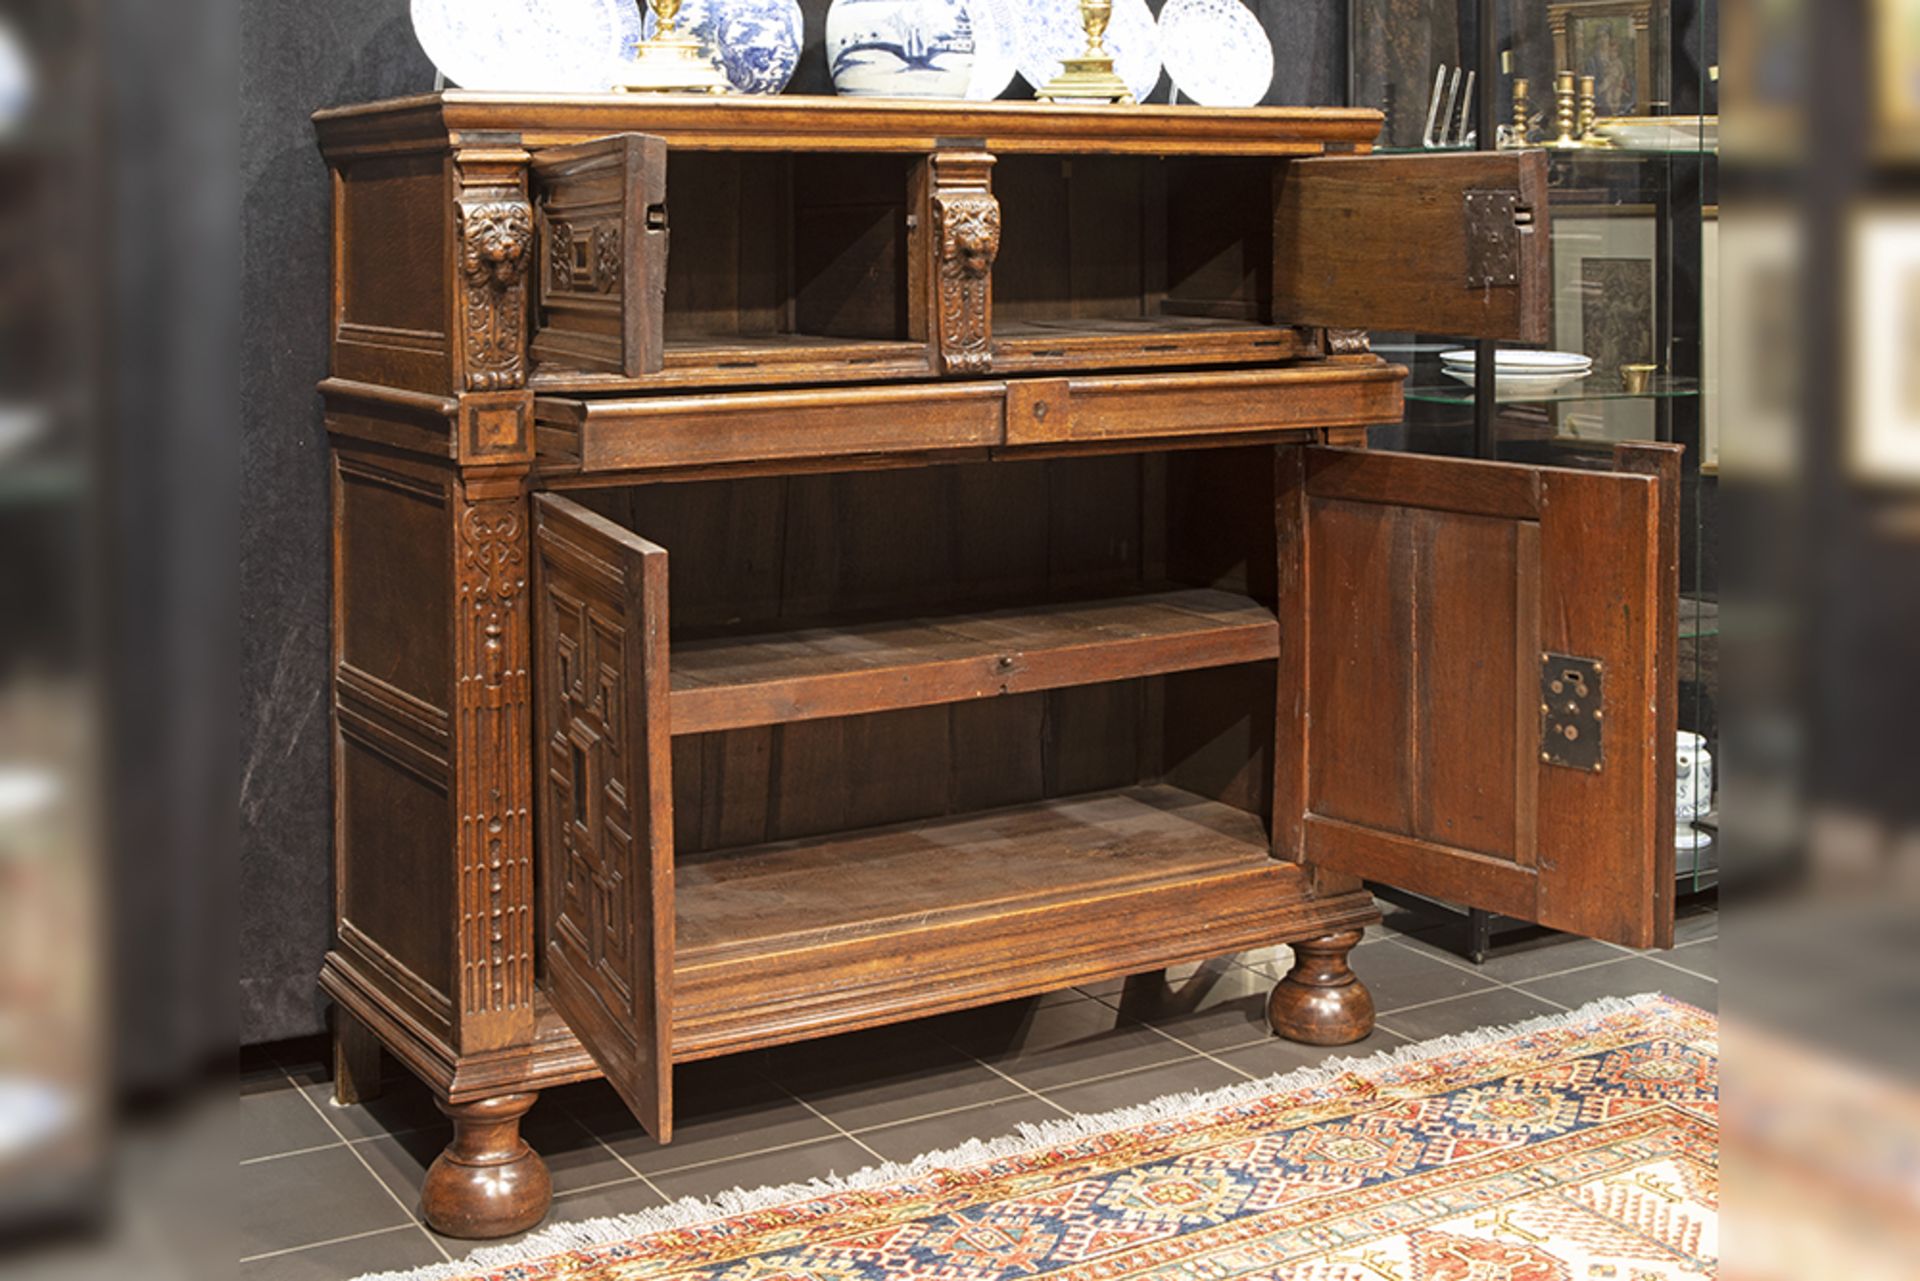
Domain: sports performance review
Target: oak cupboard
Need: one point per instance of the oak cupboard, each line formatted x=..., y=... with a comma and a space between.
x=804, y=564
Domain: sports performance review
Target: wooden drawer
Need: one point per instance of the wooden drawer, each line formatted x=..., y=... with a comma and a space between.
x=1052, y=411
x=629, y=434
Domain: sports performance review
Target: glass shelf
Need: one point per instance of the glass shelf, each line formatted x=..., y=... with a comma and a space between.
x=1602, y=155
x=1592, y=390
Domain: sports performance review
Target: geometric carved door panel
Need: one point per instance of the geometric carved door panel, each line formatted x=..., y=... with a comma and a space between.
x=1486, y=683
x=606, y=802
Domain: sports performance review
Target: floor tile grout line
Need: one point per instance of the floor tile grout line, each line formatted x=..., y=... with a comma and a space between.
x=1673, y=965
x=1466, y=966
x=613, y=1152
x=321, y=1245
x=936, y=1115
x=1017, y=1084
x=375, y=1176
x=1185, y=1045
x=837, y=1128
x=277, y=1156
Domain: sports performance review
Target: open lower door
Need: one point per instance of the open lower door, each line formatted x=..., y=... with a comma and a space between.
x=1441, y=244
x=606, y=797
x=1481, y=691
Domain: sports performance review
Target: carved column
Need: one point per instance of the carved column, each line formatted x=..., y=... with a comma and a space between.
x=494, y=941
x=966, y=225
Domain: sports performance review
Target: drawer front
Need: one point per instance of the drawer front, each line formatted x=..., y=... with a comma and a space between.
x=585, y=436
x=1054, y=411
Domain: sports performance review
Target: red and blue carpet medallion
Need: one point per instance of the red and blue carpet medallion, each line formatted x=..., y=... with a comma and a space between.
x=1580, y=1148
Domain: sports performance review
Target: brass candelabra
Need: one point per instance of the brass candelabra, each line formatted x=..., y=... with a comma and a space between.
x=1090, y=77
x=673, y=61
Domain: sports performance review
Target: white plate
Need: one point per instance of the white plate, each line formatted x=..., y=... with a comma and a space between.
x=1531, y=362
x=548, y=46
x=996, y=48
x=1520, y=386
x=1216, y=52
x=1661, y=133
x=1050, y=31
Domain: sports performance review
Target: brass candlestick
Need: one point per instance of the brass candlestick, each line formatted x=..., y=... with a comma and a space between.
x=1521, y=103
x=1090, y=77
x=672, y=62
x=1588, y=113
x=1565, y=112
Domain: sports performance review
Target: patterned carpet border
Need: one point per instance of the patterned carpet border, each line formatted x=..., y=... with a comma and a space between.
x=700, y=1240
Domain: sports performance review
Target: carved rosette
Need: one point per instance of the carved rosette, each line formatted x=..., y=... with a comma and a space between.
x=969, y=230
x=496, y=246
x=493, y=711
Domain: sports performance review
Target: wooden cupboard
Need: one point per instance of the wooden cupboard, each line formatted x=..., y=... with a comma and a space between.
x=800, y=565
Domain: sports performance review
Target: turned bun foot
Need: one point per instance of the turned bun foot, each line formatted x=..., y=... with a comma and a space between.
x=488, y=1182
x=1320, y=1002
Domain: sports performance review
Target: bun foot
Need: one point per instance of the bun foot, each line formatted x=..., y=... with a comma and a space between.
x=1320, y=1002
x=488, y=1182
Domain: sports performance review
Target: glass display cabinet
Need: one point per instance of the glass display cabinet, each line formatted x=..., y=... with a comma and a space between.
x=1623, y=97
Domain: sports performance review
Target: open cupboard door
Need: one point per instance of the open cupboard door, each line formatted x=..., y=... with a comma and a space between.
x=1480, y=697
x=606, y=797
x=1446, y=244
x=603, y=255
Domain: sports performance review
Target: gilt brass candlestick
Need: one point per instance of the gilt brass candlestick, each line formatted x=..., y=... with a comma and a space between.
x=1521, y=104
x=1588, y=113
x=1090, y=77
x=1566, y=117
x=672, y=62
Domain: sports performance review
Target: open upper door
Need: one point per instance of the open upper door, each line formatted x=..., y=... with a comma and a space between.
x=1481, y=693
x=603, y=255
x=1442, y=244
x=606, y=797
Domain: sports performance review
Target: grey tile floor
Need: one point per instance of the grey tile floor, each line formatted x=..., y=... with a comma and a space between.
x=331, y=1192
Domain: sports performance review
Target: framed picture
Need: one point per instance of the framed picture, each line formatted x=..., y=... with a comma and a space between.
x=1612, y=41
x=1884, y=311
x=1604, y=278
x=1897, y=42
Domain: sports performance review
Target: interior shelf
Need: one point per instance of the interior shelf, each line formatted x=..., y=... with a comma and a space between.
x=930, y=875
x=732, y=681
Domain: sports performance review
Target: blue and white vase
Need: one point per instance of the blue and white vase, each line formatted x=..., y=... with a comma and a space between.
x=901, y=48
x=757, y=42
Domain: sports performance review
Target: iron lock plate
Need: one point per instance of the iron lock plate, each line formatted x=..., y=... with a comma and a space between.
x=1572, y=712
x=1494, y=220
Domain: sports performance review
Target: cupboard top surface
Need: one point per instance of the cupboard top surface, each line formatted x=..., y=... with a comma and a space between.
x=819, y=123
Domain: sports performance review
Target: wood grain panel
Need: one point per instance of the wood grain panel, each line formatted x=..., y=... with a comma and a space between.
x=1382, y=242
x=607, y=801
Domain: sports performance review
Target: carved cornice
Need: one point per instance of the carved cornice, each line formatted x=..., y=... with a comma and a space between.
x=496, y=246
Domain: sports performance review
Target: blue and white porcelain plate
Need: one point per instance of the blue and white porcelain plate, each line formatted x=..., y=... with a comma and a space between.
x=549, y=46
x=757, y=42
x=996, y=47
x=901, y=48
x=1216, y=52
x=1051, y=32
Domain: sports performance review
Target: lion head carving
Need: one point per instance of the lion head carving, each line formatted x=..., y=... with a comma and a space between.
x=972, y=237
x=494, y=242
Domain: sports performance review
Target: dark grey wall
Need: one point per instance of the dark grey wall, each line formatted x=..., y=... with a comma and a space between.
x=298, y=56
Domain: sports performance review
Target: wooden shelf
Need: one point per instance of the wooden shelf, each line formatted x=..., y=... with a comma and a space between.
x=733, y=681
x=850, y=930
x=771, y=898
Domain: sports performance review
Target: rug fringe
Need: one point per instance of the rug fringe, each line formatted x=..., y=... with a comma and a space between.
x=692, y=1212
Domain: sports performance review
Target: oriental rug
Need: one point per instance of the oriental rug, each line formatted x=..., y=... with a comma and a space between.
x=1581, y=1147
